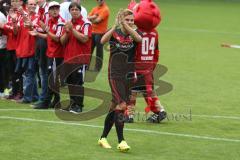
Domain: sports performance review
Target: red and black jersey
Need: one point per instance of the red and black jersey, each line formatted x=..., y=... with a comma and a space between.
x=147, y=52
x=55, y=49
x=122, y=51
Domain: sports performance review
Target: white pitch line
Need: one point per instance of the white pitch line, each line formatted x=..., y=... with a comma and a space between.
x=128, y=129
x=197, y=30
x=194, y=115
x=203, y=116
x=28, y=110
x=215, y=116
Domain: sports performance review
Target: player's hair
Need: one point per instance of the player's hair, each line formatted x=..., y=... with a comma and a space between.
x=74, y=4
x=127, y=12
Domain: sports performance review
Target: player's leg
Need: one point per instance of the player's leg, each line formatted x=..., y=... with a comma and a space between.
x=153, y=101
x=119, y=124
x=130, y=111
x=108, y=123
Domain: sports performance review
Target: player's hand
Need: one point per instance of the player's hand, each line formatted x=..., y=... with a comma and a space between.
x=33, y=33
x=26, y=20
x=13, y=15
x=27, y=23
x=44, y=26
x=68, y=26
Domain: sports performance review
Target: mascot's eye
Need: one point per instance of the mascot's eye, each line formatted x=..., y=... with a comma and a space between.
x=138, y=9
x=152, y=6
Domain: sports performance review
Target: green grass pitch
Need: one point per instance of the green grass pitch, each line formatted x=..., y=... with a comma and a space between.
x=205, y=78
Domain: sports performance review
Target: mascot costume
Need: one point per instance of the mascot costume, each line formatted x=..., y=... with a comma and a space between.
x=146, y=17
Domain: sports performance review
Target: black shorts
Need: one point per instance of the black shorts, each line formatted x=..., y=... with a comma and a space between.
x=120, y=90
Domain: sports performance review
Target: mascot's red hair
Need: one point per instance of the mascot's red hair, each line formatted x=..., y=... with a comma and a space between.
x=146, y=14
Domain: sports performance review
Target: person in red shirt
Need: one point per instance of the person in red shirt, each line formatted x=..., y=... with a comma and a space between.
x=146, y=58
x=54, y=52
x=77, y=42
x=12, y=18
x=25, y=51
x=40, y=51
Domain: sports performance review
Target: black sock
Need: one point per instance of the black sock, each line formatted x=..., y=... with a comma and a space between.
x=119, y=124
x=109, y=120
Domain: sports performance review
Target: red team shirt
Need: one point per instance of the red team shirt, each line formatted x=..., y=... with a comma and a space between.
x=147, y=52
x=26, y=42
x=55, y=49
x=74, y=48
x=8, y=30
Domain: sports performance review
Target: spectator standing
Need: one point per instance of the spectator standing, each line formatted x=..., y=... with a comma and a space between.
x=99, y=16
x=77, y=41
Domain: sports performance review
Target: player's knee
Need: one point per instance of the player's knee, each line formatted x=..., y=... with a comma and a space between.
x=122, y=106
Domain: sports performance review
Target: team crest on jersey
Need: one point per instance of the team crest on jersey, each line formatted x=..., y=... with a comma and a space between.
x=54, y=27
x=78, y=27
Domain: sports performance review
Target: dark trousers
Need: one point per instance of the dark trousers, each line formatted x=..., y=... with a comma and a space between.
x=75, y=83
x=7, y=66
x=3, y=64
x=54, y=80
x=11, y=63
x=96, y=38
x=28, y=67
x=40, y=53
x=17, y=78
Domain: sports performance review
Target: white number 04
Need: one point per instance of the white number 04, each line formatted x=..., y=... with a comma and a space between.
x=148, y=46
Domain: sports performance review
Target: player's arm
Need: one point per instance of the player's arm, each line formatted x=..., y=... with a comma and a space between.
x=136, y=37
x=53, y=36
x=107, y=36
x=96, y=20
x=56, y=37
x=37, y=34
x=42, y=35
x=64, y=38
x=82, y=37
x=15, y=28
x=92, y=17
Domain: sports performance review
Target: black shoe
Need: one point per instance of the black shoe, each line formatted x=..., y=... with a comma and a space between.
x=162, y=116
x=55, y=104
x=128, y=119
x=42, y=105
x=157, y=118
x=75, y=109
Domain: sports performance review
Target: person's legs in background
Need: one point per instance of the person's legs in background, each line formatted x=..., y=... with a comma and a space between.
x=41, y=47
x=76, y=79
x=99, y=52
x=30, y=91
